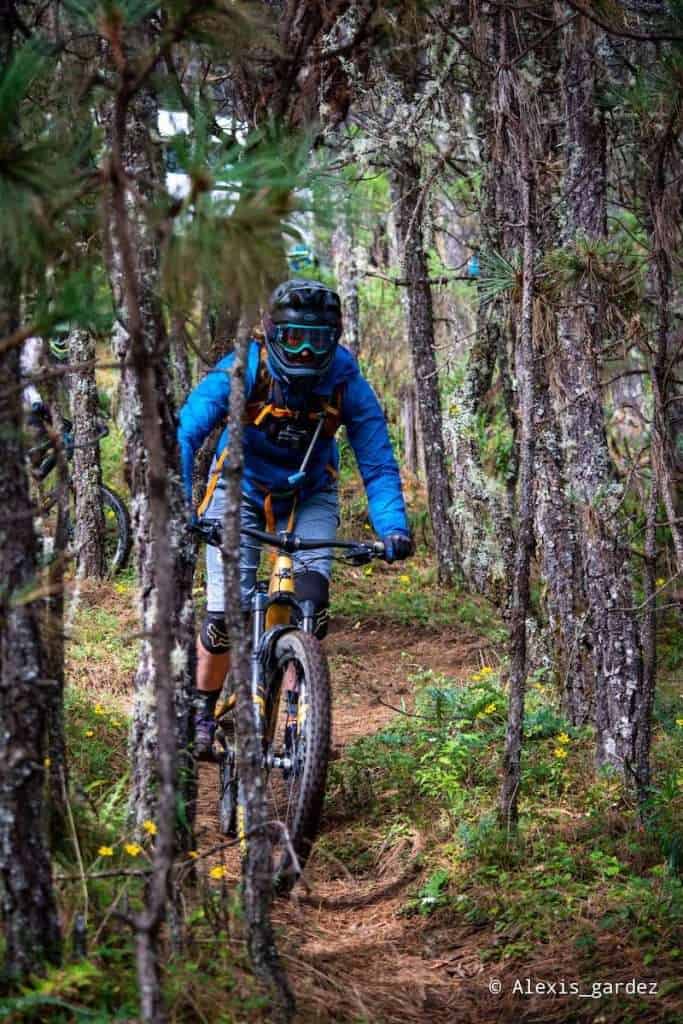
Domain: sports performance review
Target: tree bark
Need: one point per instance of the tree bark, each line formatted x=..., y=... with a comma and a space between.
x=160, y=733
x=527, y=395
x=346, y=271
x=87, y=473
x=31, y=924
x=160, y=586
x=410, y=204
x=180, y=361
x=411, y=440
x=257, y=870
x=595, y=493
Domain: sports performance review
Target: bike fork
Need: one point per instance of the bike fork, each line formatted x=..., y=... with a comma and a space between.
x=259, y=605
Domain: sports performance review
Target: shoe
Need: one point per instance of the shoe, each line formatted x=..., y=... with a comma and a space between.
x=204, y=732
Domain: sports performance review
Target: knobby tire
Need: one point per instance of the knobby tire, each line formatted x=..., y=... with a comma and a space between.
x=296, y=803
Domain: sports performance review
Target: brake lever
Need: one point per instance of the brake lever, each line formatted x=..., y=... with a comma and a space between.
x=359, y=556
x=209, y=532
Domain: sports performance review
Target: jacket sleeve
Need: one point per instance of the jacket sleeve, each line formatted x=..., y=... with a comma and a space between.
x=204, y=408
x=369, y=438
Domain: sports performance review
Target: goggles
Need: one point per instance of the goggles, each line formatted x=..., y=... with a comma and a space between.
x=294, y=338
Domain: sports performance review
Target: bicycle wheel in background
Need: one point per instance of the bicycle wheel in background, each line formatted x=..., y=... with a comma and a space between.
x=118, y=538
x=297, y=751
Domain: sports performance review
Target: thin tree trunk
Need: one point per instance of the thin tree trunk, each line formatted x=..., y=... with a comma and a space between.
x=87, y=473
x=346, y=270
x=143, y=352
x=31, y=925
x=409, y=208
x=648, y=634
x=664, y=203
x=527, y=392
x=409, y=424
x=257, y=872
x=141, y=161
x=180, y=361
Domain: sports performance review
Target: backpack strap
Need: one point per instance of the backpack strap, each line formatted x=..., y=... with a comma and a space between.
x=212, y=482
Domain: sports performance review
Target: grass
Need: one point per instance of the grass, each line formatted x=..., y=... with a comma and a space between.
x=407, y=594
x=208, y=979
x=581, y=874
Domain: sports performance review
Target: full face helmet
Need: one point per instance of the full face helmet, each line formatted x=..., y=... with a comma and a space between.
x=302, y=327
x=58, y=342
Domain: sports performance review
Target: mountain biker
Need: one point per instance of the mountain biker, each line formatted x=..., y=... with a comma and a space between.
x=301, y=385
x=38, y=416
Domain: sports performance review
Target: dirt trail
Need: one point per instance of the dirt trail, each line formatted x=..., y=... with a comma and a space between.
x=350, y=955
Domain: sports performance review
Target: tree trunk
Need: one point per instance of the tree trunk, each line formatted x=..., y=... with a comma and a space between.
x=142, y=162
x=180, y=360
x=160, y=733
x=527, y=394
x=648, y=634
x=257, y=873
x=575, y=380
x=346, y=271
x=87, y=474
x=411, y=441
x=561, y=566
x=421, y=340
x=483, y=513
x=31, y=925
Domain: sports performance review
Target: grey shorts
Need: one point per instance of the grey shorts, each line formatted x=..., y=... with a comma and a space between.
x=318, y=516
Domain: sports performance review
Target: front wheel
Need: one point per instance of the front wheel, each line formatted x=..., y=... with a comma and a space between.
x=297, y=751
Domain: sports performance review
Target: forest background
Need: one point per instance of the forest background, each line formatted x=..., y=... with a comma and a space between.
x=494, y=188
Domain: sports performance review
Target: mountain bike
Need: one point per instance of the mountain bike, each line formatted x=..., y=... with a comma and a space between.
x=118, y=538
x=290, y=690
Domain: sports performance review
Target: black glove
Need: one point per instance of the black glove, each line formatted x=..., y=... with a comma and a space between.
x=397, y=545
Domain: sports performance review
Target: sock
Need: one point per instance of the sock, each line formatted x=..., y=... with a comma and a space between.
x=206, y=700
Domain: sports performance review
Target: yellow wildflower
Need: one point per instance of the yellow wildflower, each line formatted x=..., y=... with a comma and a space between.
x=193, y=854
x=99, y=709
x=405, y=579
x=47, y=761
x=679, y=722
x=217, y=872
x=660, y=581
x=560, y=752
x=485, y=671
x=368, y=570
x=89, y=733
x=105, y=851
x=490, y=708
x=149, y=827
x=133, y=849
x=563, y=738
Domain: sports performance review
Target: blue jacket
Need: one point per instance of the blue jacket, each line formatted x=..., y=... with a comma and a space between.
x=267, y=465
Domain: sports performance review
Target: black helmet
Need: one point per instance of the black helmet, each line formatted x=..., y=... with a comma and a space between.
x=303, y=326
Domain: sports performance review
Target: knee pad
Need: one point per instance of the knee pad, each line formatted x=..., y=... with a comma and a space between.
x=213, y=634
x=313, y=586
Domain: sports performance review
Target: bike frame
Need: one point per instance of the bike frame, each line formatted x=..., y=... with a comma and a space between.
x=267, y=596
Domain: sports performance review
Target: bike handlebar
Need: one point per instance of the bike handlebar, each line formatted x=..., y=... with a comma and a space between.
x=359, y=551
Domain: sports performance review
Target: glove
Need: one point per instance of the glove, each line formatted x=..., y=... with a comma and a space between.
x=397, y=545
